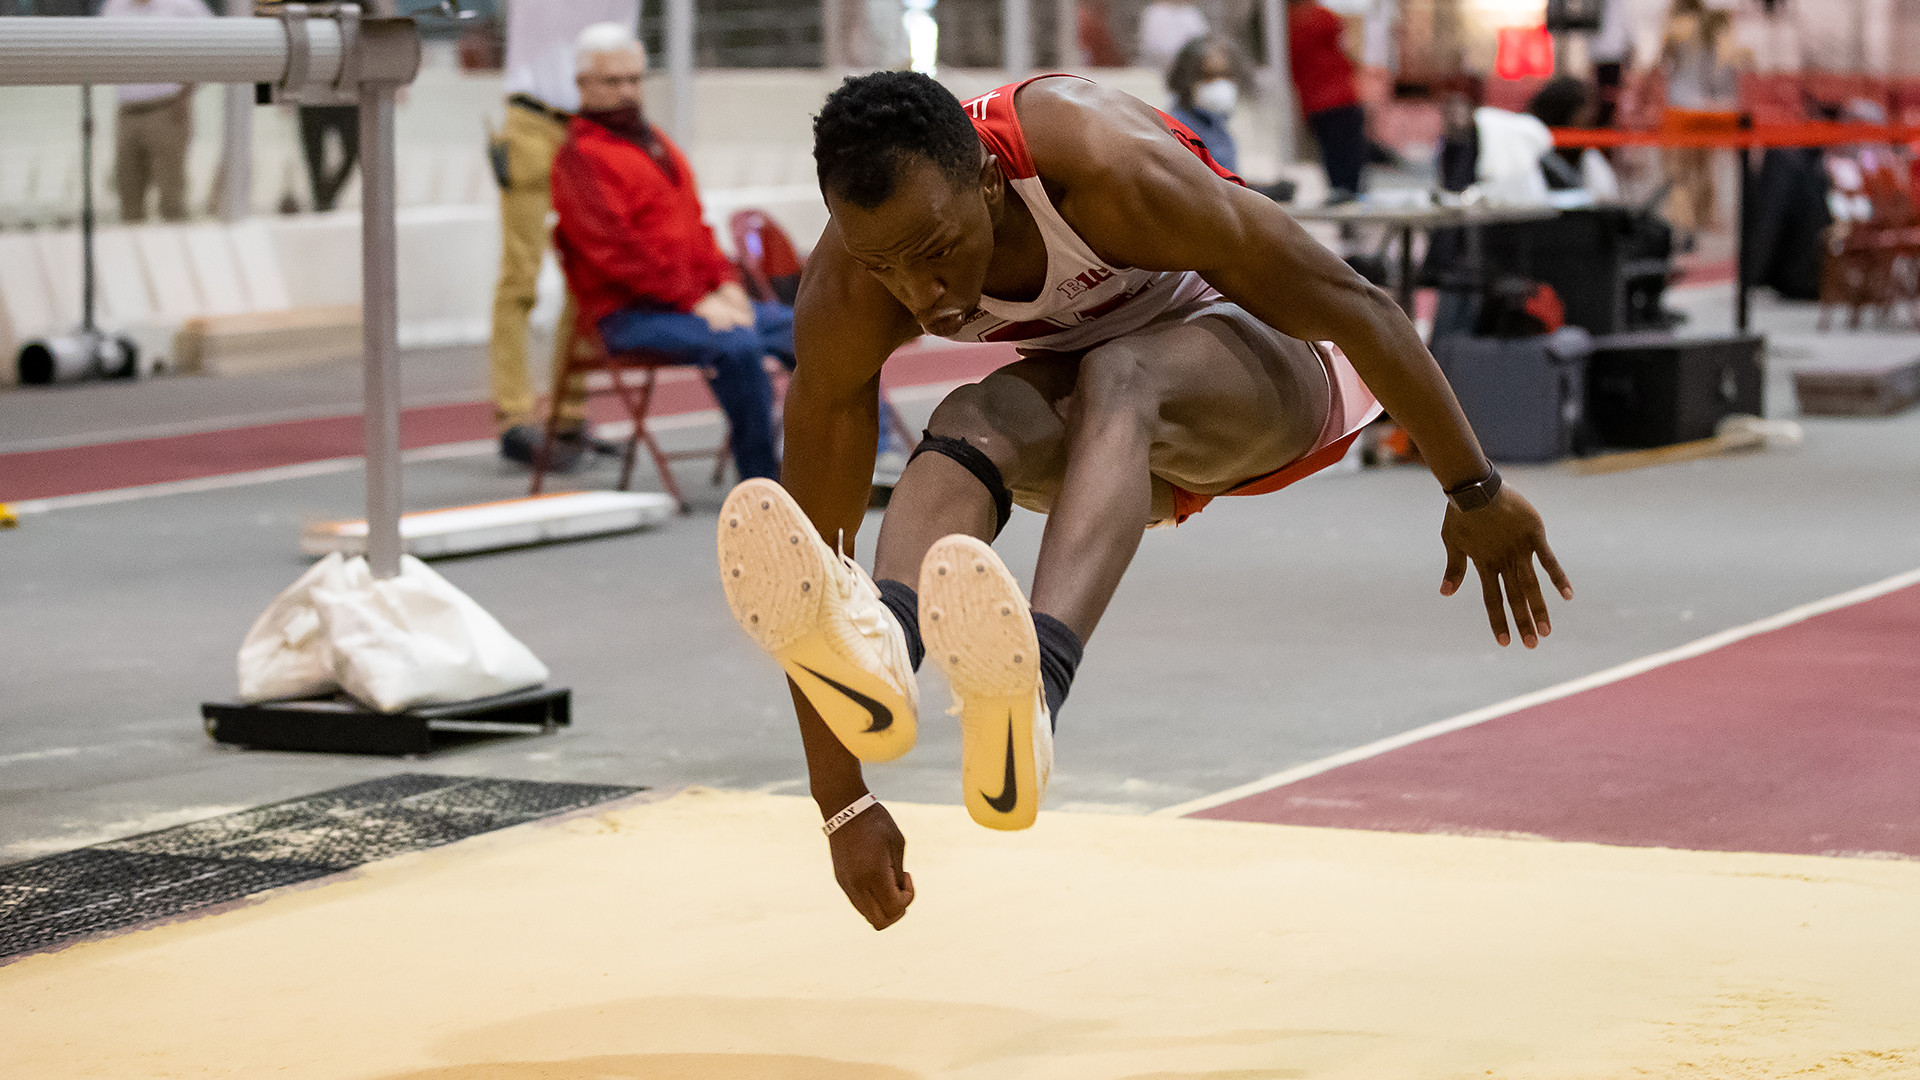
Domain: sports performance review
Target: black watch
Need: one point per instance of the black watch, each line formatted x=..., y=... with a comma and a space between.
x=1477, y=494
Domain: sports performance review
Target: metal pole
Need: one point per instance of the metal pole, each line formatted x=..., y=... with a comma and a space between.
x=106, y=50
x=1740, y=298
x=236, y=154
x=680, y=67
x=75, y=51
x=1066, y=34
x=1273, y=18
x=1016, y=38
x=86, y=211
x=380, y=321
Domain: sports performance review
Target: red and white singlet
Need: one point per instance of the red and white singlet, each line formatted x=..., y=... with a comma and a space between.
x=1086, y=300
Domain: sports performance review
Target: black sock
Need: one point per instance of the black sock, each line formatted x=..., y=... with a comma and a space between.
x=1060, y=650
x=905, y=605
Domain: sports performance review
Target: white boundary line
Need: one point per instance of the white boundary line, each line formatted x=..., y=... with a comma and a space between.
x=1552, y=693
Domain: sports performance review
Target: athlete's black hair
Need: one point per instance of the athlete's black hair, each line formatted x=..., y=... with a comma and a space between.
x=872, y=123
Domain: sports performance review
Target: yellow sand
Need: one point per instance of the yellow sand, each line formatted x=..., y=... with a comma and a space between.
x=702, y=938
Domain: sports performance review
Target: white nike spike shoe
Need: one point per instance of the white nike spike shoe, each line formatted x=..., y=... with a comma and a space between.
x=819, y=614
x=977, y=627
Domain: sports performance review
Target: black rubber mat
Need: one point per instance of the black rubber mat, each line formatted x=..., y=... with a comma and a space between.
x=159, y=875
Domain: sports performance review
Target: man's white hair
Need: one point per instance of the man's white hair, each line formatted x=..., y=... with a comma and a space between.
x=600, y=39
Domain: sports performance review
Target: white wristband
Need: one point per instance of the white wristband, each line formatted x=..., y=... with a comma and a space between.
x=852, y=811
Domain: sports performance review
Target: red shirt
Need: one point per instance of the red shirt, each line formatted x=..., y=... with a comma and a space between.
x=630, y=234
x=1322, y=74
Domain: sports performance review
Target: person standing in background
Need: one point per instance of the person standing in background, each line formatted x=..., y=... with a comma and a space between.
x=1701, y=64
x=1205, y=80
x=1098, y=46
x=1165, y=26
x=1609, y=49
x=155, y=125
x=1329, y=98
x=315, y=122
x=541, y=100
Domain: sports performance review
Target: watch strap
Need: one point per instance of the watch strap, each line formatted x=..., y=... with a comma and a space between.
x=1477, y=494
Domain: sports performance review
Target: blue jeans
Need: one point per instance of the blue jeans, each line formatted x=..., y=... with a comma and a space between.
x=732, y=363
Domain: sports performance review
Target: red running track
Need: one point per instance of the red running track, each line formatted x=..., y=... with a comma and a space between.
x=40, y=474
x=1803, y=740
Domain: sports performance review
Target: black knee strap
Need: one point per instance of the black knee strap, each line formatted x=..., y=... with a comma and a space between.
x=975, y=462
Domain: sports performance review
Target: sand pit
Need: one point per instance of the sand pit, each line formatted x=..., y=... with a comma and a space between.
x=702, y=938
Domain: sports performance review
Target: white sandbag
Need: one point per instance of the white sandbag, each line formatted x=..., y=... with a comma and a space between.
x=285, y=654
x=410, y=640
x=415, y=639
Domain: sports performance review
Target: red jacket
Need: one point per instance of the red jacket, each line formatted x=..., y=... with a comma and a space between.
x=1322, y=73
x=629, y=234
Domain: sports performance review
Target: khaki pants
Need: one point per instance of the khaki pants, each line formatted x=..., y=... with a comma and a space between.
x=150, y=150
x=530, y=141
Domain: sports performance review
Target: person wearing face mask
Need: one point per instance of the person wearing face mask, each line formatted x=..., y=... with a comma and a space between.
x=640, y=262
x=1205, y=80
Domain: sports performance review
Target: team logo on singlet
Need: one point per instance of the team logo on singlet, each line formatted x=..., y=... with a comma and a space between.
x=1083, y=282
x=977, y=108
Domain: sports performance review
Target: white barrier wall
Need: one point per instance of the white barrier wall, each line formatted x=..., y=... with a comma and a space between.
x=153, y=278
x=751, y=148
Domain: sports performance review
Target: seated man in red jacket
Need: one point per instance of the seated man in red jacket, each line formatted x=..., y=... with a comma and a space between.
x=641, y=263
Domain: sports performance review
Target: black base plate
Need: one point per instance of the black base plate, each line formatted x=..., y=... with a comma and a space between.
x=340, y=725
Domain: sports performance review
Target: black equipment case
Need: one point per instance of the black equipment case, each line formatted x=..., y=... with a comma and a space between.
x=1655, y=389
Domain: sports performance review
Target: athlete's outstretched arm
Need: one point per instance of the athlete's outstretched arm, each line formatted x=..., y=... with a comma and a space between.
x=843, y=333
x=1142, y=199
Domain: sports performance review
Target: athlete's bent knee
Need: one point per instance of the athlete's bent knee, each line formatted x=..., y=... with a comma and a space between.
x=979, y=464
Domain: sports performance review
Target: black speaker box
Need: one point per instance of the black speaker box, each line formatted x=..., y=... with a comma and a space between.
x=1654, y=389
x=1522, y=395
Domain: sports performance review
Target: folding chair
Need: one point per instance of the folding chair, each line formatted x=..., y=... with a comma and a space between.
x=770, y=270
x=1872, y=257
x=632, y=377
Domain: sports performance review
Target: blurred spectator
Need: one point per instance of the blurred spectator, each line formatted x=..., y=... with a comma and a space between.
x=541, y=96
x=1098, y=46
x=316, y=122
x=1165, y=26
x=1565, y=101
x=1610, y=49
x=1329, y=99
x=641, y=263
x=155, y=125
x=1701, y=66
x=1459, y=139
x=1206, y=80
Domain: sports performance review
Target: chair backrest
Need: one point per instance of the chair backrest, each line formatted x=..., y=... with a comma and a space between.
x=767, y=256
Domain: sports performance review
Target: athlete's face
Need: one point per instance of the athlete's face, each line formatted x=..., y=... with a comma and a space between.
x=929, y=244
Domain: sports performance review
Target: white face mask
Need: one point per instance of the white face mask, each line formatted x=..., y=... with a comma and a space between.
x=1217, y=96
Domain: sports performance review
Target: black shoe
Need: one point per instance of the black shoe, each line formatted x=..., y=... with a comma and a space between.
x=522, y=443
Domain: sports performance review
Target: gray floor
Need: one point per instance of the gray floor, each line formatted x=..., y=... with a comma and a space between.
x=1266, y=633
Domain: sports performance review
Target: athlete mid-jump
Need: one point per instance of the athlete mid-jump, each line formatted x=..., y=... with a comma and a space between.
x=1181, y=339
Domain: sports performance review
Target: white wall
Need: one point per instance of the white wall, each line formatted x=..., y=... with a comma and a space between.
x=752, y=147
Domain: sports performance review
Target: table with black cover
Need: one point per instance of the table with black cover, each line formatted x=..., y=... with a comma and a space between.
x=1473, y=220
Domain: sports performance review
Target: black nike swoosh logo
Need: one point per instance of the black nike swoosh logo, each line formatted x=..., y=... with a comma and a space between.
x=1010, y=789
x=882, y=716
